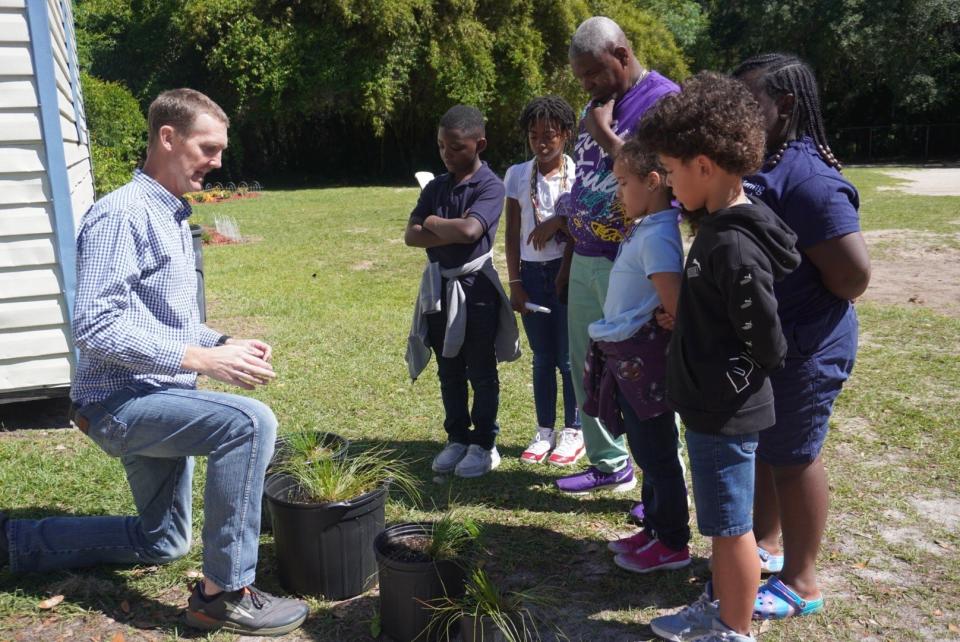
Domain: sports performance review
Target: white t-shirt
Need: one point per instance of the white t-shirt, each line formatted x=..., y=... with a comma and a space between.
x=517, y=181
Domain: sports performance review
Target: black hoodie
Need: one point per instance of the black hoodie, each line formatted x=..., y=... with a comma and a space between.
x=727, y=335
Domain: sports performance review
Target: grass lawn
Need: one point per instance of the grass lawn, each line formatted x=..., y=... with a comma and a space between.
x=328, y=282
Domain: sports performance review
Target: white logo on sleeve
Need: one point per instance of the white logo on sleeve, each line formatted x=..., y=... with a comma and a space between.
x=694, y=270
x=742, y=366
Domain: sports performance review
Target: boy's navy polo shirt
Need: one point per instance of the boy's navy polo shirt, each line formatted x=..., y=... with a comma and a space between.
x=482, y=196
x=818, y=204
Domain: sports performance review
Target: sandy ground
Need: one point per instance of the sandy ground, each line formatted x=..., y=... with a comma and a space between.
x=915, y=268
x=931, y=181
x=918, y=268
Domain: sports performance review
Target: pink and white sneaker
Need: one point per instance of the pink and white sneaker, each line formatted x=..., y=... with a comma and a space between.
x=540, y=447
x=655, y=557
x=633, y=544
x=570, y=448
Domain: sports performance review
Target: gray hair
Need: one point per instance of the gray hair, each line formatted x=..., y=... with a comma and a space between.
x=597, y=35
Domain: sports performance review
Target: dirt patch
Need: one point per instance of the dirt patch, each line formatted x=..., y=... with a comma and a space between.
x=943, y=511
x=915, y=269
x=362, y=266
x=934, y=181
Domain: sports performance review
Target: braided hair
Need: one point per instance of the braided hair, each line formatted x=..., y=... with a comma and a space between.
x=785, y=74
x=552, y=109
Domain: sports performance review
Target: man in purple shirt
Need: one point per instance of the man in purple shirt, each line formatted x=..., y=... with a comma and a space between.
x=621, y=90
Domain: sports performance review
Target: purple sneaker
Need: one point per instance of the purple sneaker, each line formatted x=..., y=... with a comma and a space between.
x=593, y=479
x=636, y=514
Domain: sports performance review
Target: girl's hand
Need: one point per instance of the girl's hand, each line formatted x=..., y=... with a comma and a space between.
x=664, y=319
x=542, y=233
x=518, y=298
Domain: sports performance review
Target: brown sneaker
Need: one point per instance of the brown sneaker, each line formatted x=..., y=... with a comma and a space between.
x=248, y=611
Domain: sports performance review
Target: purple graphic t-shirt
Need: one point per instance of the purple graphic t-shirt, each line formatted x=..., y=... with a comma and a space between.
x=595, y=217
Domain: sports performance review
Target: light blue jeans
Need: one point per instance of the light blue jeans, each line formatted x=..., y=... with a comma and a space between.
x=156, y=433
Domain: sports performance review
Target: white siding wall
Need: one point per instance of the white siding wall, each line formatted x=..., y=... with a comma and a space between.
x=35, y=346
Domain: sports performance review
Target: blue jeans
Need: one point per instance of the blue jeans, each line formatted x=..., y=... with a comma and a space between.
x=722, y=467
x=547, y=335
x=653, y=443
x=476, y=363
x=156, y=433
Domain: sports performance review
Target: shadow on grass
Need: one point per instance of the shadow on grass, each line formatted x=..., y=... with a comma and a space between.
x=513, y=486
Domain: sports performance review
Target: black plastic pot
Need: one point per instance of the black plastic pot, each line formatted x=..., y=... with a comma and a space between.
x=405, y=585
x=339, y=445
x=325, y=549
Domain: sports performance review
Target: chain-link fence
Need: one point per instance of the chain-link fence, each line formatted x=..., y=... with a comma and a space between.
x=897, y=142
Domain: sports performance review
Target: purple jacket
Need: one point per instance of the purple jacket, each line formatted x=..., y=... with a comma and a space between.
x=637, y=367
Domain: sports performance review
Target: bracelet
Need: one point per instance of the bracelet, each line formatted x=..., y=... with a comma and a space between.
x=222, y=340
x=515, y=281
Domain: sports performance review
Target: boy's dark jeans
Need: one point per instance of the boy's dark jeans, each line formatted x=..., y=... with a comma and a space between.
x=653, y=443
x=476, y=363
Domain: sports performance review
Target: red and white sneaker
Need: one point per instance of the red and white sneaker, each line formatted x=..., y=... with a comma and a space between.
x=540, y=447
x=633, y=544
x=655, y=557
x=569, y=448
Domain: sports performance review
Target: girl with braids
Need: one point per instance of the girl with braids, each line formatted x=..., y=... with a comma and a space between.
x=800, y=181
x=534, y=253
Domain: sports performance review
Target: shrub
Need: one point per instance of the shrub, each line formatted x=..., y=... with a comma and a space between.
x=118, y=132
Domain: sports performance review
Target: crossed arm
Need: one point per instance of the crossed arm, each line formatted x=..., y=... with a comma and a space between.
x=434, y=231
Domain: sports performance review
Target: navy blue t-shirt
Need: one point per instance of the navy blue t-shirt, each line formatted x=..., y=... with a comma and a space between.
x=482, y=196
x=818, y=204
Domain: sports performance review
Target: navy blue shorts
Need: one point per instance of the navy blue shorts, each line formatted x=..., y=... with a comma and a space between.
x=820, y=357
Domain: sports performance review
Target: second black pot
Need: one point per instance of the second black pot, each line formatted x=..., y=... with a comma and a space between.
x=406, y=585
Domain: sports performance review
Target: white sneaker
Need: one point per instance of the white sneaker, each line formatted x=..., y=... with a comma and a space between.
x=448, y=458
x=477, y=462
x=569, y=448
x=540, y=447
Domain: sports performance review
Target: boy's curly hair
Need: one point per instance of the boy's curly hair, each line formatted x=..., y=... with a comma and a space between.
x=713, y=115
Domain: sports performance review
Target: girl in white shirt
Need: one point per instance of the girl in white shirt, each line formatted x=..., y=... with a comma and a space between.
x=534, y=251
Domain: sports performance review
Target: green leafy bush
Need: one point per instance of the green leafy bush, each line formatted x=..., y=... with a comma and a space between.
x=118, y=132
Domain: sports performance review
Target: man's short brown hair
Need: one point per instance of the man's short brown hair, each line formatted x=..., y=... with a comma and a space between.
x=179, y=108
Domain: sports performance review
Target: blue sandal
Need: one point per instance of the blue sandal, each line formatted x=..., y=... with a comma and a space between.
x=776, y=601
x=769, y=563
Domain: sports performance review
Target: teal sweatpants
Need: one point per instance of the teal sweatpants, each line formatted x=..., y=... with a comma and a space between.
x=589, y=276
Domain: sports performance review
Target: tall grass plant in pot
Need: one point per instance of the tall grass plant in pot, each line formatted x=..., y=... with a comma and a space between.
x=304, y=446
x=326, y=515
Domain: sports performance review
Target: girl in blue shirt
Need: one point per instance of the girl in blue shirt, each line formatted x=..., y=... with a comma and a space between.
x=801, y=182
x=626, y=362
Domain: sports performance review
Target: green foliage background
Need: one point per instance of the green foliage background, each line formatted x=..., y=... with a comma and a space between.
x=322, y=90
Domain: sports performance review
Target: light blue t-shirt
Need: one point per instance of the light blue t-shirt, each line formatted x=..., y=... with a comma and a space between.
x=651, y=247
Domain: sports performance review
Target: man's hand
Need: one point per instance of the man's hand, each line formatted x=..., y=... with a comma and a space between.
x=545, y=231
x=518, y=298
x=599, y=119
x=265, y=351
x=240, y=362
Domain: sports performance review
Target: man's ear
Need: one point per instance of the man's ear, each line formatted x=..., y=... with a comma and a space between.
x=622, y=54
x=165, y=137
x=481, y=144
